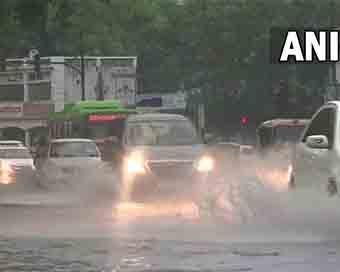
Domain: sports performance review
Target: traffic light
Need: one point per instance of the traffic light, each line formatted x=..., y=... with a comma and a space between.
x=244, y=120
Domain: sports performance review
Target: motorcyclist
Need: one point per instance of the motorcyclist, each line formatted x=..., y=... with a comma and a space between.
x=42, y=148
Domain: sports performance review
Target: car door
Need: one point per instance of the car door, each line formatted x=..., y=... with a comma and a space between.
x=312, y=166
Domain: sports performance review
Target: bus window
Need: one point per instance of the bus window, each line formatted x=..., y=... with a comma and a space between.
x=70, y=128
x=54, y=130
x=103, y=129
x=76, y=130
x=59, y=130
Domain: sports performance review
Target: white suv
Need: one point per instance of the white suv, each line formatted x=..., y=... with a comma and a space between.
x=316, y=161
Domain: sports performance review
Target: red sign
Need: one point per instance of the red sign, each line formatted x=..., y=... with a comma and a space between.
x=98, y=117
x=10, y=109
x=37, y=110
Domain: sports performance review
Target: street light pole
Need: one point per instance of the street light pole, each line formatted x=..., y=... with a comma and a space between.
x=82, y=68
x=82, y=76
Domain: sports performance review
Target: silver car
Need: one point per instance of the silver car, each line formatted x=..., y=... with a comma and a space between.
x=162, y=153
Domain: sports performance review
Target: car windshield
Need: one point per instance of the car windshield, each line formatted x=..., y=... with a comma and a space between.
x=103, y=129
x=15, y=154
x=167, y=133
x=74, y=149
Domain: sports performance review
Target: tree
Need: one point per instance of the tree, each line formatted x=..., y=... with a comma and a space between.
x=9, y=31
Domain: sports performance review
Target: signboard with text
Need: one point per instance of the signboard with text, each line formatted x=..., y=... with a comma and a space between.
x=37, y=110
x=163, y=101
x=9, y=110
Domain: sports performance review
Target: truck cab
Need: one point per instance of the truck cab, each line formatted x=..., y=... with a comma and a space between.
x=317, y=156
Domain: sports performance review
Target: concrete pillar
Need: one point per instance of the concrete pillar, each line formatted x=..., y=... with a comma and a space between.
x=27, y=138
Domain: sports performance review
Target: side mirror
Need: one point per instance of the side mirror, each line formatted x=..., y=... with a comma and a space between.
x=317, y=141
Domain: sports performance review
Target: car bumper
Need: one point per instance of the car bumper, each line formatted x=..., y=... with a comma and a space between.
x=18, y=177
x=149, y=186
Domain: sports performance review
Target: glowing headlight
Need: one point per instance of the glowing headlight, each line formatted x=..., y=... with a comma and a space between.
x=135, y=165
x=6, y=173
x=205, y=164
x=5, y=167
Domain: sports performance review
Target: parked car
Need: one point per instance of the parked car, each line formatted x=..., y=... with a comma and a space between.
x=16, y=164
x=316, y=158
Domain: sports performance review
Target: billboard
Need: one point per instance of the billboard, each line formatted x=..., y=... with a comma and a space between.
x=169, y=101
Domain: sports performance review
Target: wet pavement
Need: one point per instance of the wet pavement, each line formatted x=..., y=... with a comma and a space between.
x=57, y=231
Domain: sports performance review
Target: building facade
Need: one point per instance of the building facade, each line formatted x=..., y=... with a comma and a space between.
x=25, y=102
x=105, y=78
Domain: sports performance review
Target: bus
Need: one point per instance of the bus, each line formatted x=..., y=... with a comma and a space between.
x=101, y=121
x=273, y=133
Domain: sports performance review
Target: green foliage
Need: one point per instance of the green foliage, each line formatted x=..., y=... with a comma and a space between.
x=211, y=44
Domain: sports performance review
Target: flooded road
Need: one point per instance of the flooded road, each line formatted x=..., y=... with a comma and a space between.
x=56, y=231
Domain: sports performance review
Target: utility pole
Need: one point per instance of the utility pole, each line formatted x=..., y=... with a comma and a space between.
x=82, y=68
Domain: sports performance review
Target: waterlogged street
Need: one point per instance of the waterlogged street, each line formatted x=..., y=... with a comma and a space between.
x=65, y=230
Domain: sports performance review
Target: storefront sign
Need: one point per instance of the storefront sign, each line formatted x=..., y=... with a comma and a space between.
x=10, y=110
x=37, y=110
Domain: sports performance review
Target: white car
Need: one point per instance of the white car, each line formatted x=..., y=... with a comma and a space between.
x=66, y=157
x=11, y=143
x=16, y=163
x=316, y=160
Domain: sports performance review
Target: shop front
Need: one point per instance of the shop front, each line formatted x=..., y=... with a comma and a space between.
x=25, y=122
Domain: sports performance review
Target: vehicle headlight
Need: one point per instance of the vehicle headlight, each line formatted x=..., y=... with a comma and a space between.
x=6, y=173
x=6, y=168
x=135, y=164
x=205, y=164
